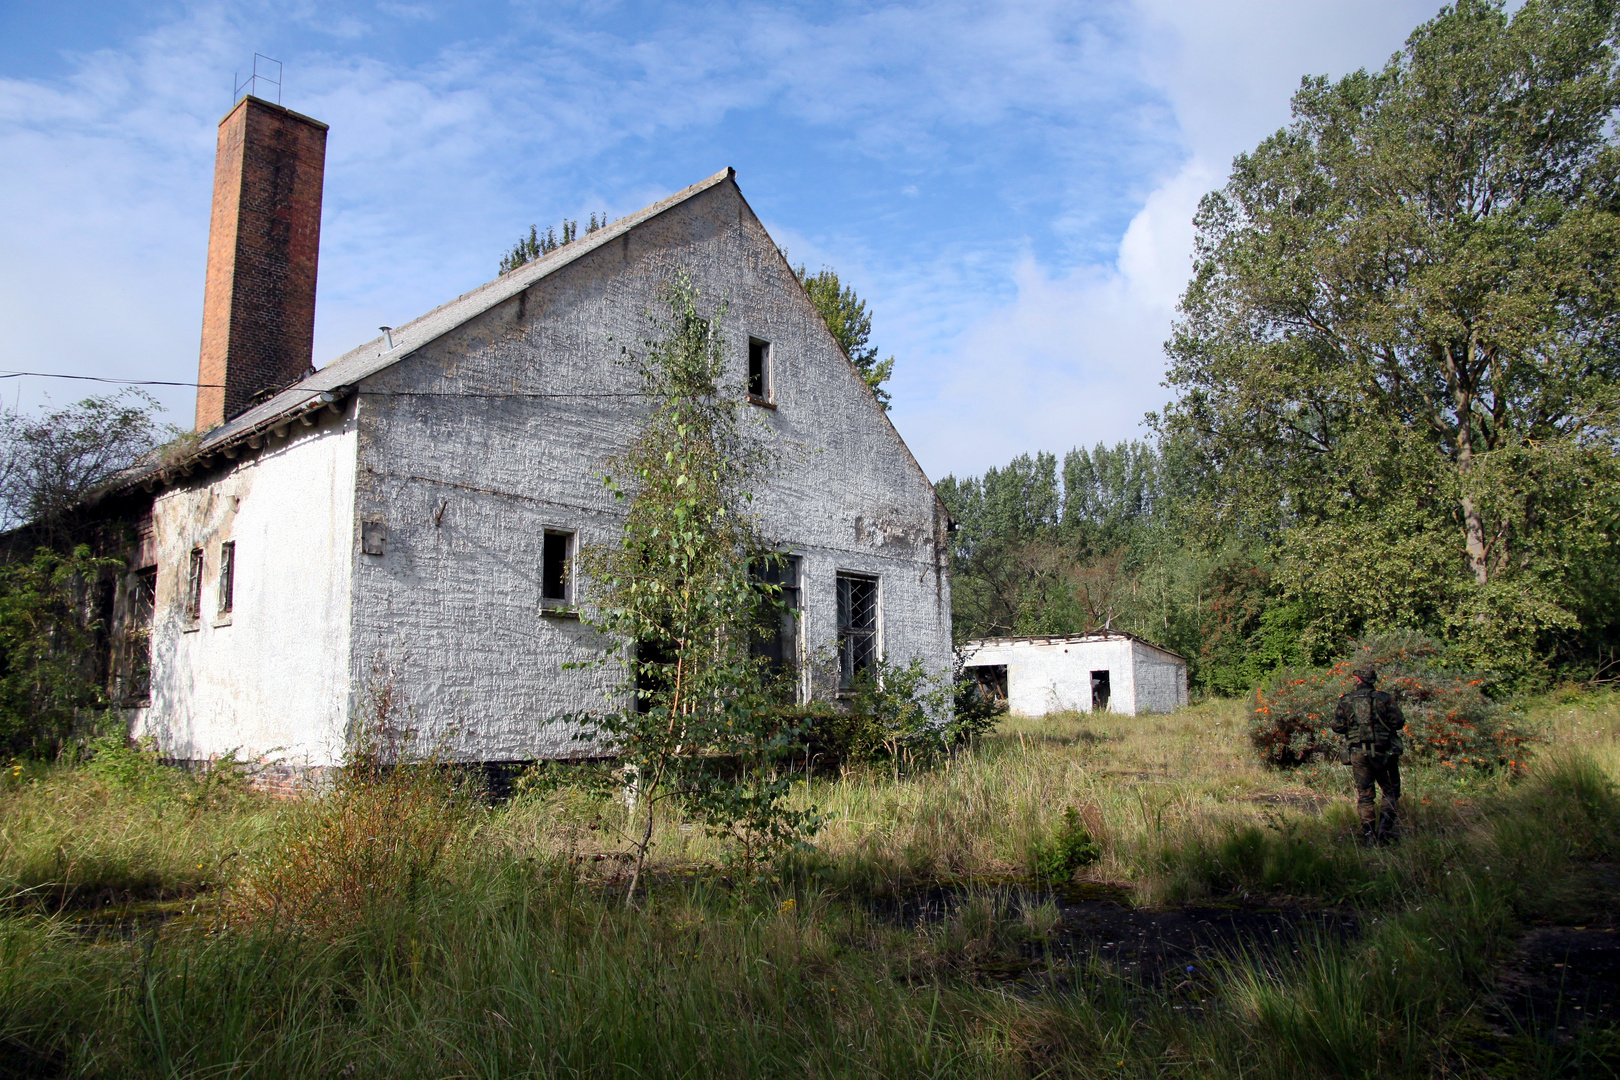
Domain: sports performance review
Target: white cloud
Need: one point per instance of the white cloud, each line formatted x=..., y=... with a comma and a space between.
x=435, y=158
x=1077, y=358
x=1073, y=360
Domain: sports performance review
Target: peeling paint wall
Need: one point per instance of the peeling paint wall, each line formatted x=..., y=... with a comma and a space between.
x=1054, y=675
x=476, y=444
x=273, y=675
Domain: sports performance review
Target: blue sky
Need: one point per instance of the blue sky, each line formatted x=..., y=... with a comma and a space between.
x=1009, y=186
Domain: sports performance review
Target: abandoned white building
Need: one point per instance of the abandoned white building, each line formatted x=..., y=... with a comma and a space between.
x=1104, y=670
x=413, y=504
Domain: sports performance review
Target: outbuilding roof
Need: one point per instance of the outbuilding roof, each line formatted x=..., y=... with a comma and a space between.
x=1105, y=634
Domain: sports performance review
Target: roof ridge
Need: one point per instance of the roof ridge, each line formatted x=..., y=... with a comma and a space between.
x=373, y=356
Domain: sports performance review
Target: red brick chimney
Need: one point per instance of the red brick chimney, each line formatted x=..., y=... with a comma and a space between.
x=263, y=240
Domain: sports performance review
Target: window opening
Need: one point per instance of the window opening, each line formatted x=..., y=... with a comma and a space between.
x=227, y=576
x=759, y=370
x=556, y=584
x=140, y=608
x=194, y=583
x=857, y=627
x=776, y=630
x=655, y=661
x=990, y=682
x=1099, y=691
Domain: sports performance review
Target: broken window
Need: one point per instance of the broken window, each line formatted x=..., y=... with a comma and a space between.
x=759, y=371
x=556, y=578
x=227, y=576
x=857, y=627
x=990, y=682
x=194, y=584
x=776, y=631
x=135, y=648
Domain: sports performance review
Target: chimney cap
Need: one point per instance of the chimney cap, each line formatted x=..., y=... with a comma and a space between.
x=259, y=101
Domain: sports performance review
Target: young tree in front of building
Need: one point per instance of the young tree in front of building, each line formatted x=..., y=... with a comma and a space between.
x=680, y=589
x=1398, y=355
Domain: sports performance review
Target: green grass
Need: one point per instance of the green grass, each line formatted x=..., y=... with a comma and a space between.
x=511, y=953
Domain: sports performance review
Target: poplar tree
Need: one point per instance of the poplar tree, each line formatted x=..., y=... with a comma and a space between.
x=851, y=324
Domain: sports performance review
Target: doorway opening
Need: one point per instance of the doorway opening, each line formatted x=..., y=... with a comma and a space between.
x=1099, y=691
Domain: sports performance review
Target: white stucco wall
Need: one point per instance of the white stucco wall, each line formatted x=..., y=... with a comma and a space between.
x=272, y=678
x=467, y=461
x=1054, y=674
x=465, y=452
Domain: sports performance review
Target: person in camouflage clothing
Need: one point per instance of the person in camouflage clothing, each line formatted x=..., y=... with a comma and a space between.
x=1371, y=724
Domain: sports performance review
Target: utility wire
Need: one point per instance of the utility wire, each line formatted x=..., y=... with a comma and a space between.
x=97, y=378
x=366, y=393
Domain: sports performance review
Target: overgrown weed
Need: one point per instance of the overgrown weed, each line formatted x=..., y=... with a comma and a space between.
x=475, y=940
x=372, y=842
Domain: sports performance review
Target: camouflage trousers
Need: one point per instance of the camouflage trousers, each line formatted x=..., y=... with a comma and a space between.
x=1371, y=770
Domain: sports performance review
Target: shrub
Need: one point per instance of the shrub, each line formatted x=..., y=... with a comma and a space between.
x=47, y=635
x=371, y=842
x=1057, y=857
x=137, y=769
x=1449, y=719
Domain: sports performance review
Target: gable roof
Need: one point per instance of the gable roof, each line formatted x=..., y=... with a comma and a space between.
x=337, y=380
x=374, y=355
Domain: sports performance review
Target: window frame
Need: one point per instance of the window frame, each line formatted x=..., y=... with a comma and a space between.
x=789, y=631
x=766, y=383
x=196, y=568
x=225, y=587
x=848, y=635
x=559, y=606
x=135, y=645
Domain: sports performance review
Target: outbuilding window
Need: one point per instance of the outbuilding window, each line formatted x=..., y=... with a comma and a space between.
x=135, y=660
x=857, y=627
x=227, y=576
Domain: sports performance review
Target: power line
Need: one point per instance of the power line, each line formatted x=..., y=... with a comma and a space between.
x=365, y=393
x=98, y=378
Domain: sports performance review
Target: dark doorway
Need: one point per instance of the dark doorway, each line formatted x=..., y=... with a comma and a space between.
x=1099, y=691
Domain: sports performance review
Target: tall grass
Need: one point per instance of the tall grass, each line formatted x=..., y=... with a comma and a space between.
x=399, y=926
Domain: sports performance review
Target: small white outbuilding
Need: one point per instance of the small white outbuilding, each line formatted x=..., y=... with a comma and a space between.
x=1099, y=671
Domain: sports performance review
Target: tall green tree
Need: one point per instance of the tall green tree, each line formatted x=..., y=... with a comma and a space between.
x=1397, y=356
x=851, y=324
x=1043, y=551
x=49, y=462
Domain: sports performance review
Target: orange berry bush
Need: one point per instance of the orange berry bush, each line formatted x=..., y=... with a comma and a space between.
x=1449, y=718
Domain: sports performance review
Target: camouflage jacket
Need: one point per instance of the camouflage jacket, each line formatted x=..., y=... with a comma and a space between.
x=1369, y=717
